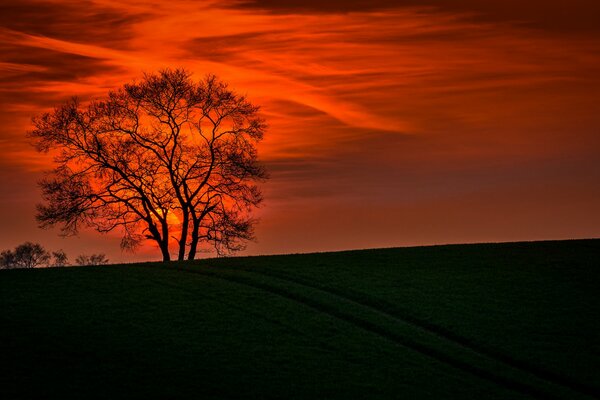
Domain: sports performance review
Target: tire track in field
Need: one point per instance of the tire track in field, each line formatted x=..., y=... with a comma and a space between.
x=383, y=332
x=320, y=343
x=395, y=312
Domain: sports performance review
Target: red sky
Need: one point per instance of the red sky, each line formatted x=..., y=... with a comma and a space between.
x=391, y=122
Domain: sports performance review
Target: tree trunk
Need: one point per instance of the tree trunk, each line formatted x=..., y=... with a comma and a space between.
x=184, y=232
x=164, y=242
x=164, y=249
x=195, y=238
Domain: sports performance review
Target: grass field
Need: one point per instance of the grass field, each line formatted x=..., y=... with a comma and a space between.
x=489, y=321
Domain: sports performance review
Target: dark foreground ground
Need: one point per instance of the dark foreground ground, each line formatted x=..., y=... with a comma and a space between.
x=517, y=320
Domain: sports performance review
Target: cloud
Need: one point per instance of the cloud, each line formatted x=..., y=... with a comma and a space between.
x=84, y=21
x=552, y=15
x=31, y=66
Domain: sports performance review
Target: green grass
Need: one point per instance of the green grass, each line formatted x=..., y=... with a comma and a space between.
x=515, y=320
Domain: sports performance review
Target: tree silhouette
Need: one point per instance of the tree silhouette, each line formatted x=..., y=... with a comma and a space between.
x=60, y=259
x=26, y=255
x=7, y=259
x=166, y=158
x=94, y=259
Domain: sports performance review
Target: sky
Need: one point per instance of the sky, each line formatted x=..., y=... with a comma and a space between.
x=391, y=123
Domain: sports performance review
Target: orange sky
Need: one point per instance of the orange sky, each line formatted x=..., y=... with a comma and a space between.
x=397, y=123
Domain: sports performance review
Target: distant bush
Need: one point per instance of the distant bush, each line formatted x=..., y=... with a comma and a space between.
x=7, y=259
x=60, y=259
x=94, y=259
x=31, y=255
x=26, y=255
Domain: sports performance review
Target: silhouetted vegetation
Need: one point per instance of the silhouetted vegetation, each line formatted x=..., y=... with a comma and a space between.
x=93, y=259
x=26, y=255
x=164, y=157
x=60, y=259
x=31, y=255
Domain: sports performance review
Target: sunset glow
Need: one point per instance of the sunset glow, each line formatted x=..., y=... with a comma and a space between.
x=398, y=123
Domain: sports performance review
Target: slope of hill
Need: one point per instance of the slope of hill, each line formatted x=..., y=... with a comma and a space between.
x=514, y=320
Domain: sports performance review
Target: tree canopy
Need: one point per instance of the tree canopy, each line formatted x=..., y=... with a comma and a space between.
x=25, y=255
x=165, y=158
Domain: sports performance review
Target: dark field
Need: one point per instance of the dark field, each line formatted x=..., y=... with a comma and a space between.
x=516, y=320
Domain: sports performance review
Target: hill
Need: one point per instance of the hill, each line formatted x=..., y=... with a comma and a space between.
x=513, y=320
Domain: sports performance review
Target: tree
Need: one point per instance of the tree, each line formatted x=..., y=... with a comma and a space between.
x=7, y=259
x=31, y=255
x=166, y=159
x=26, y=255
x=98, y=259
x=60, y=259
x=94, y=259
x=82, y=259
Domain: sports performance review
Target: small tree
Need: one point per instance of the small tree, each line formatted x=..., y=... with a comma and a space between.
x=7, y=259
x=60, y=259
x=98, y=259
x=163, y=158
x=82, y=259
x=30, y=255
x=94, y=259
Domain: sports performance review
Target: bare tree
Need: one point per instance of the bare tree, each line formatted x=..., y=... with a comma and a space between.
x=7, y=259
x=94, y=259
x=98, y=259
x=166, y=158
x=60, y=259
x=82, y=259
x=27, y=255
